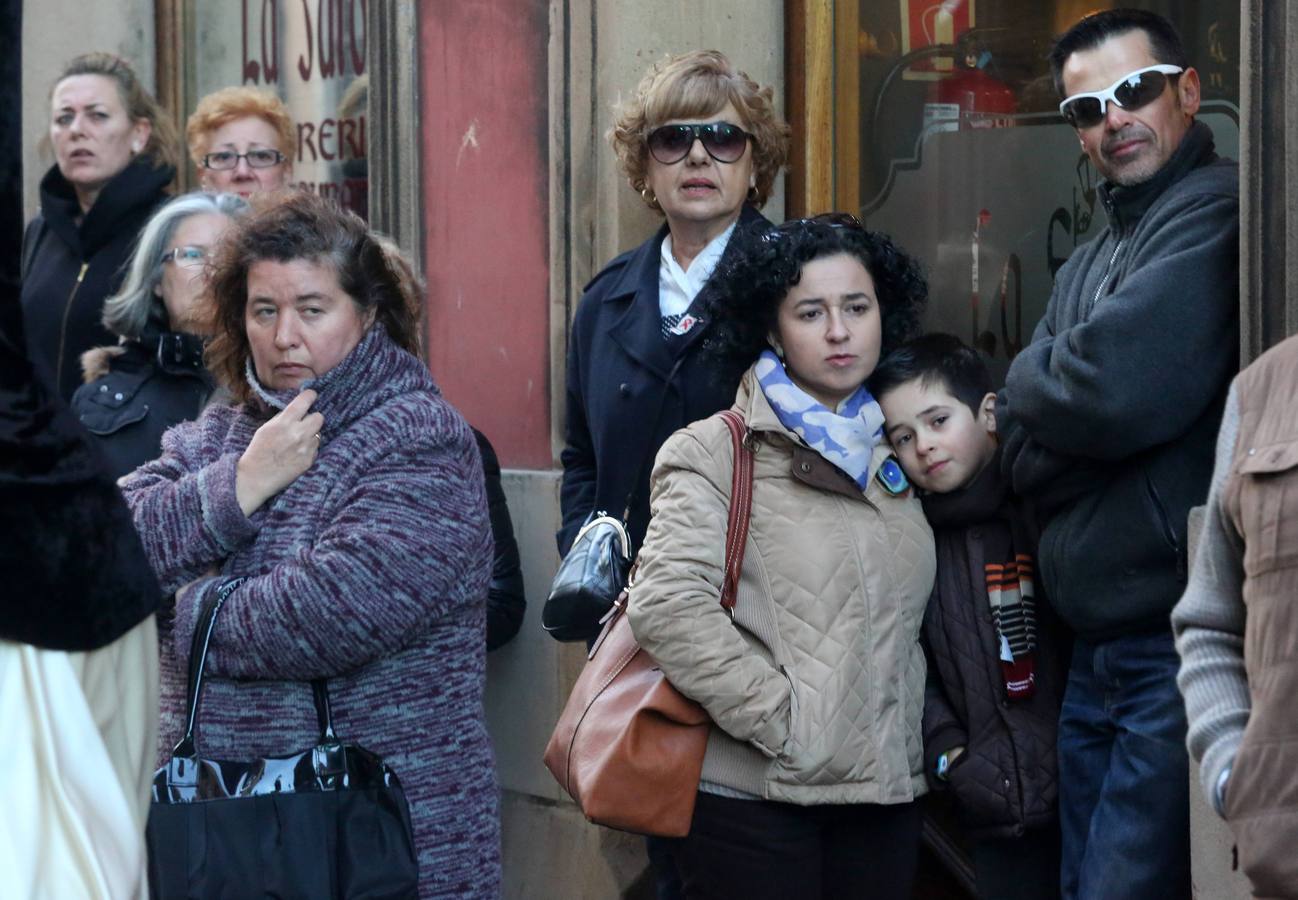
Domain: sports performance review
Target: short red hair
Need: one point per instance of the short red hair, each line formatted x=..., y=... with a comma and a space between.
x=224, y=106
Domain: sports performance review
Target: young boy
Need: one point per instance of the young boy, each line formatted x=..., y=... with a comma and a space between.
x=992, y=700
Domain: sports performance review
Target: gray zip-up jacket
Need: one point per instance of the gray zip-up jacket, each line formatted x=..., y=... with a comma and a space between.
x=1109, y=417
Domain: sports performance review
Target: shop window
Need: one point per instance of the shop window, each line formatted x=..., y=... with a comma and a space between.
x=946, y=135
x=314, y=55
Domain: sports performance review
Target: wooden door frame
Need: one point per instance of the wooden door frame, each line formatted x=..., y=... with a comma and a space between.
x=172, y=68
x=1268, y=150
x=809, y=80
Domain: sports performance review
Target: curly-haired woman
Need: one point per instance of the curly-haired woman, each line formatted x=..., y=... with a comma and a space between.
x=816, y=685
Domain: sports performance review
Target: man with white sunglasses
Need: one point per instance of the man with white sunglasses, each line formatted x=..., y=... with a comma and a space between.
x=1108, y=419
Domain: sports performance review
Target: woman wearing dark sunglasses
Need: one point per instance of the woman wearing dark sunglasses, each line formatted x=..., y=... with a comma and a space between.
x=702, y=144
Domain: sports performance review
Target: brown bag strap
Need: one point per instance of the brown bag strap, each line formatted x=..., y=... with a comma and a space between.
x=741, y=506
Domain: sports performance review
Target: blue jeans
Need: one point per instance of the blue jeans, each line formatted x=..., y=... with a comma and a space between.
x=1124, y=788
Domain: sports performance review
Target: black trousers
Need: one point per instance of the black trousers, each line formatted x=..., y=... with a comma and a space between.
x=755, y=849
x=1021, y=868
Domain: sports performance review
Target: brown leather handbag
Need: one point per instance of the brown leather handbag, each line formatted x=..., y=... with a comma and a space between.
x=629, y=747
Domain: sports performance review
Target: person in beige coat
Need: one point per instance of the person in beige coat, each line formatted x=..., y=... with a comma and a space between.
x=816, y=686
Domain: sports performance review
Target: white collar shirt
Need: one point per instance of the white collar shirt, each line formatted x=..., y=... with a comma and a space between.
x=678, y=287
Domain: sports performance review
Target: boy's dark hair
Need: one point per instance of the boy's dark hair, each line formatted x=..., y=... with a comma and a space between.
x=1090, y=32
x=935, y=358
x=764, y=265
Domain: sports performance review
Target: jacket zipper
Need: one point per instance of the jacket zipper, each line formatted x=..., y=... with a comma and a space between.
x=1168, y=532
x=63, y=330
x=1108, y=270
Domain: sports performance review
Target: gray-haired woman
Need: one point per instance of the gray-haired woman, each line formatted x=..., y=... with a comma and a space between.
x=155, y=377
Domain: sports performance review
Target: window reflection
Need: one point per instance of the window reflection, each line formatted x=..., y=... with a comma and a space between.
x=958, y=151
x=314, y=55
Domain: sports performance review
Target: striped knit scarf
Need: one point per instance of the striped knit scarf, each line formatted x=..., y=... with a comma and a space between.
x=1008, y=569
x=1014, y=612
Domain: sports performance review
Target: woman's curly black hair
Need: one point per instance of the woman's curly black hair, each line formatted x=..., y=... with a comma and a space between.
x=744, y=295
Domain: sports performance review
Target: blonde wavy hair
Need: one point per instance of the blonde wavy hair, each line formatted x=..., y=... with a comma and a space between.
x=690, y=86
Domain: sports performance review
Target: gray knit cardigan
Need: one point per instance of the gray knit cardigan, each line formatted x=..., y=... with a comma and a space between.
x=370, y=569
x=1209, y=626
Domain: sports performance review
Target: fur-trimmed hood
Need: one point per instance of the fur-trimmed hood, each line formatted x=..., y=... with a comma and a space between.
x=96, y=362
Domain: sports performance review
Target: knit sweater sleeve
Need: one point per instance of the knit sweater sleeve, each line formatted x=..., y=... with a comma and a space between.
x=410, y=544
x=184, y=505
x=1209, y=626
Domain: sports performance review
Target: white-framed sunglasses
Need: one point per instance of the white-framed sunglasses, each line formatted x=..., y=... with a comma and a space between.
x=1130, y=92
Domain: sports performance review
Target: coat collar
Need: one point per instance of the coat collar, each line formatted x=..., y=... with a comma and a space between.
x=1126, y=204
x=177, y=353
x=132, y=192
x=637, y=330
x=806, y=465
x=374, y=372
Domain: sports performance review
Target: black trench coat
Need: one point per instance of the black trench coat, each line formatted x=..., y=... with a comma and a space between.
x=618, y=365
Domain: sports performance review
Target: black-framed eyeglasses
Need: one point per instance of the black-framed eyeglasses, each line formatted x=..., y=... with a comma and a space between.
x=1130, y=92
x=223, y=160
x=724, y=142
x=187, y=256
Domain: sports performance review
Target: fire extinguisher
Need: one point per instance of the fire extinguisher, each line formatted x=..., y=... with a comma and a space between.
x=969, y=98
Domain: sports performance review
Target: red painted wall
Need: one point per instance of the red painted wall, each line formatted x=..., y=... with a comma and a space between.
x=484, y=96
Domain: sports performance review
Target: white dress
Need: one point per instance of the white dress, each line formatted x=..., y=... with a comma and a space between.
x=80, y=744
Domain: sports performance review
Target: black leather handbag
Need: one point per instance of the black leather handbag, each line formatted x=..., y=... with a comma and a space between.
x=328, y=822
x=589, y=579
x=593, y=574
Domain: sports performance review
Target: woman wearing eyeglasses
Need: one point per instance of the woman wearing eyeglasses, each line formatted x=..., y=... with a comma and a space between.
x=115, y=157
x=815, y=680
x=154, y=376
x=702, y=144
x=241, y=139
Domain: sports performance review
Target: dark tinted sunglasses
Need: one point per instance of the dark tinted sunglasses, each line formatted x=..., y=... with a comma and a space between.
x=723, y=141
x=832, y=219
x=829, y=220
x=1131, y=92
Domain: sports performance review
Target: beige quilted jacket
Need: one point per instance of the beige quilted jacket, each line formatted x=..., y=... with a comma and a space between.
x=816, y=688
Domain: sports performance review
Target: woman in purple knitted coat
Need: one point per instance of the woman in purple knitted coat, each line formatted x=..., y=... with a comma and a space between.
x=349, y=494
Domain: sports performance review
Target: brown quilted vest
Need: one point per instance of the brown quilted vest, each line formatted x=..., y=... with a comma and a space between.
x=1261, y=499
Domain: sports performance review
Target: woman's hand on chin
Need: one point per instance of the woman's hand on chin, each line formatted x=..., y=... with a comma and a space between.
x=280, y=451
